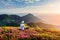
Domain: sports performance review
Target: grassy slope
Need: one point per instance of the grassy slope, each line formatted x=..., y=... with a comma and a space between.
x=31, y=33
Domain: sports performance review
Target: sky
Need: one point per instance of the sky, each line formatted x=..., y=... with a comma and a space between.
x=47, y=10
x=29, y=6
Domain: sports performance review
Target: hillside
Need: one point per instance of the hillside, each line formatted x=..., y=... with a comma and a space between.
x=37, y=33
x=42, y=25
x=10, y=20
x=30, y=20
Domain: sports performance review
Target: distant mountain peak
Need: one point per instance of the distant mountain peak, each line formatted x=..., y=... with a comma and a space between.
x=30, y=18
x=29, y=14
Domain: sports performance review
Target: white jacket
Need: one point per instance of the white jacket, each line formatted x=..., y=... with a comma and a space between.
x=22, y=26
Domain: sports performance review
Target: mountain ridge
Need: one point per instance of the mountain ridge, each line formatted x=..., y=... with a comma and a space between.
x=12, y=19
x=15, y=20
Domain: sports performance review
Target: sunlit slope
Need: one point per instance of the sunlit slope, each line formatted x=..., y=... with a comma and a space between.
x=35, y=33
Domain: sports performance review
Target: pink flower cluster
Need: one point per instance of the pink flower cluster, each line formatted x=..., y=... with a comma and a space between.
x=26, y=34
x=1, y=30
x=17, y=34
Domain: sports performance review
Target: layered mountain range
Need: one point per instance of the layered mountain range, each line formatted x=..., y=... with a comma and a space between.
x=15, y=20
x=6, y=19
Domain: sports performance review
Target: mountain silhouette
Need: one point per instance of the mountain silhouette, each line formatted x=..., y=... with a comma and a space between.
x=31, y=19
x=15, y=19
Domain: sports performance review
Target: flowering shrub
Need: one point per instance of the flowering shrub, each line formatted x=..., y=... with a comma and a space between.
x=28, y=34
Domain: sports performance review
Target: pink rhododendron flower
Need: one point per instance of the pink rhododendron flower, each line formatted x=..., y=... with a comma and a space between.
x=1, y=30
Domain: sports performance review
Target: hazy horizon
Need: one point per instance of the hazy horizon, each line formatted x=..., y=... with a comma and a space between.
x=47, y=10
x=47, y=18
